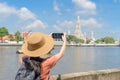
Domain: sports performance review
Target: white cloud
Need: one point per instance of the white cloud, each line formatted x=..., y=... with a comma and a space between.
x=93, y=12
x=56, y=8
x=5, y=10
x=85, y=6
x=35, y=24
x=116, y=1
x=91, y=22
x=65, y=23
x=63, y=26
x=86, y=24
x=57, y=28
x=23, y=14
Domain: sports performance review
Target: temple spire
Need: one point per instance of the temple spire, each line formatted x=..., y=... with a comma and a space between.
x=78, y=32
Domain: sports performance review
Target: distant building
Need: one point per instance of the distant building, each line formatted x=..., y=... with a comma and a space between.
x=85, y=37
x=0, y=39
x=92, y=37
x=78, y=32
x=6, y=38
x=117, y=41
x=25, y=34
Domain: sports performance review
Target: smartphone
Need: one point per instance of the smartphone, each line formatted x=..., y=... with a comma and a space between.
x=57, y=35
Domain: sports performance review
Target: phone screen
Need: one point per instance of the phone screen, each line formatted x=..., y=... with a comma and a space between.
x=57, y=35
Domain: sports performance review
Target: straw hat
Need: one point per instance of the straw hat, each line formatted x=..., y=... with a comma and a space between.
x=37, y=44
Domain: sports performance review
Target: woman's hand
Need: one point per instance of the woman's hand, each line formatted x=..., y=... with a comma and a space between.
x=64, y=37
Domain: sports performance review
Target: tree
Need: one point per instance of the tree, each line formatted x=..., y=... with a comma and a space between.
x=88, y=41
x=98, y=41
x=18, y=37
x=81, y=40
x=71, y=38
x=108, y=40
x=11, y=37
x=3, y=32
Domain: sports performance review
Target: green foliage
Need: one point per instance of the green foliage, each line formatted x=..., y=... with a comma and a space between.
x=18, y=37
x=81, y=40
x=98, y=41
x=106, y=40
x=88, y=41
x=3, y=31
x=71, y=38
x=11, y=37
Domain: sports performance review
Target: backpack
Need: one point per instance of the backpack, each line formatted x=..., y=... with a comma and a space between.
x=29, y=70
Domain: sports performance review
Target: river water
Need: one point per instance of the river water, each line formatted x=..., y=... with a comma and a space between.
x=76, y=59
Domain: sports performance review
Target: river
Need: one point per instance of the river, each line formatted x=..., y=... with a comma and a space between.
x=76, y=59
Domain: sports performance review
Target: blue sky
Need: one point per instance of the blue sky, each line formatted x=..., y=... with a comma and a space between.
x=100, y=16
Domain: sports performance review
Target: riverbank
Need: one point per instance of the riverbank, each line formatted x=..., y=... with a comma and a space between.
x=108, y=74
x=96, y=45
x=10, y=44
x=59, y=44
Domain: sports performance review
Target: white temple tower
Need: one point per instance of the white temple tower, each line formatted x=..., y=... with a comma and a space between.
x=92, y=36
x=78, y=32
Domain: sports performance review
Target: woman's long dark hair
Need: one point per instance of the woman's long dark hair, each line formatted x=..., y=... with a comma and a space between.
x=37, y=59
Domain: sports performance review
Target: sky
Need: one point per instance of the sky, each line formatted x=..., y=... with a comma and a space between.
x=99, y=16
